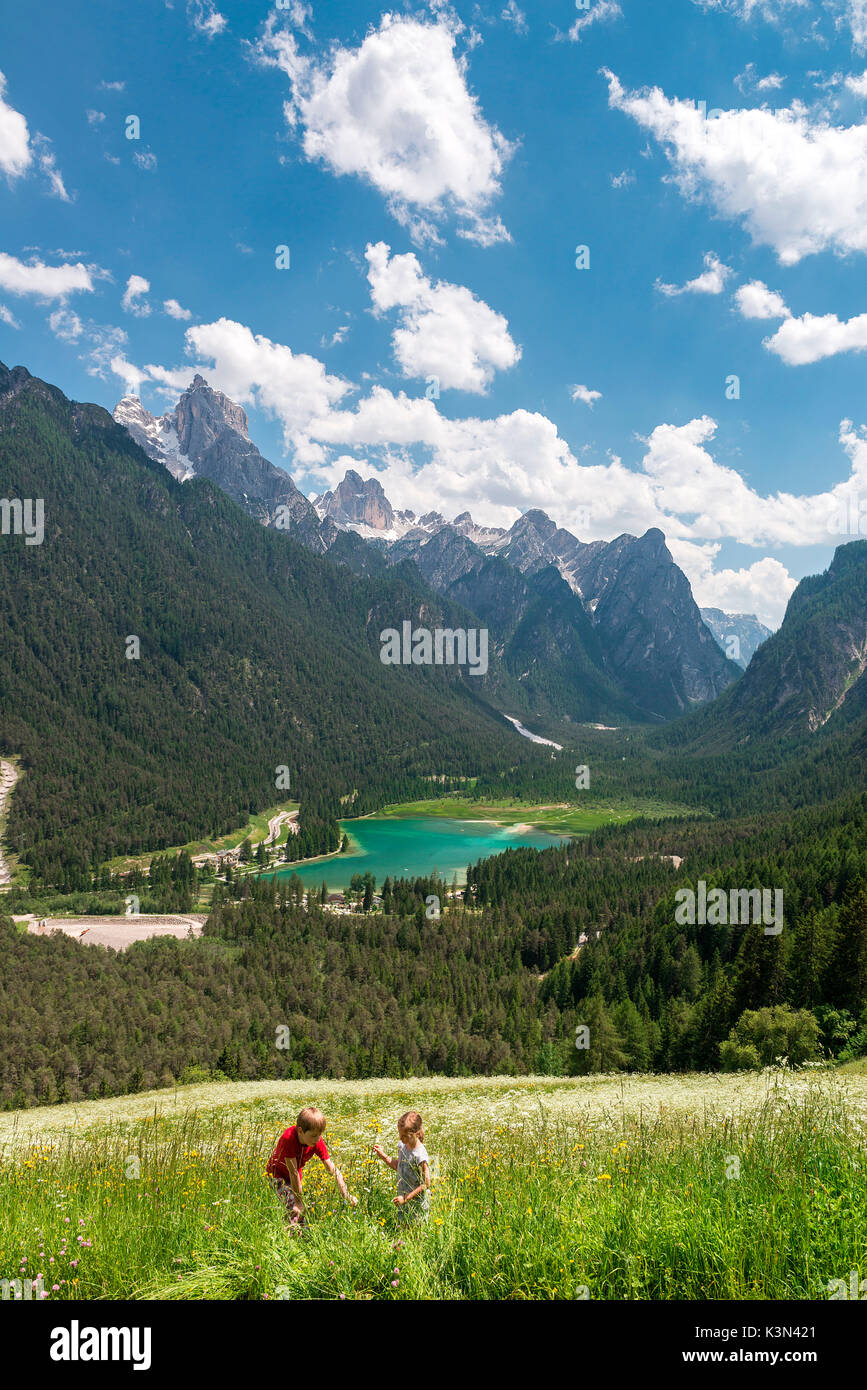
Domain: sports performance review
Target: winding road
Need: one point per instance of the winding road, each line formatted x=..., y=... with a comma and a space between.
x=8, y=778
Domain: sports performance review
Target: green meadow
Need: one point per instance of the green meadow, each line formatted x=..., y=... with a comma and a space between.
x=735, y=1186
x=562, y=818
x=256, y=830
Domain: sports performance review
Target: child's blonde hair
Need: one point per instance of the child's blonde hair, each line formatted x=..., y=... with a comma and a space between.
x=310, y=1118
x=412, y=1121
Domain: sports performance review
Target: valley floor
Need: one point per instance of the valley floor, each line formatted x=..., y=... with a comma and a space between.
x=561, y=817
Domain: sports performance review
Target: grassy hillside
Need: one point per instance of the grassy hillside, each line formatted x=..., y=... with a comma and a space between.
x=658, y=1188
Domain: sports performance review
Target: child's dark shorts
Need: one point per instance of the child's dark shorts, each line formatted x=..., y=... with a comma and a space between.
x=286, y=1193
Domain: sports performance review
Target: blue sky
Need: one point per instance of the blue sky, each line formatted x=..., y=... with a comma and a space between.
x=432, y=170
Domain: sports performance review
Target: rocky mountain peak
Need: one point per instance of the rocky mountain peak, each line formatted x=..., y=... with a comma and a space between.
x=203, y=414
x=538, y=521
x=653, y=539
x=12, y=380
x=355, y=502
x=206, y=436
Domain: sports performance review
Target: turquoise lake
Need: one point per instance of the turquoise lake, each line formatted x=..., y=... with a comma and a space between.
x=415, y=847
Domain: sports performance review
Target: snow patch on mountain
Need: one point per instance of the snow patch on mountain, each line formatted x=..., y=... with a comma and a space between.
x=157, y=435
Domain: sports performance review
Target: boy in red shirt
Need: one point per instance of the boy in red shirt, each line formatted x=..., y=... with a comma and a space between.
x=295, y=1147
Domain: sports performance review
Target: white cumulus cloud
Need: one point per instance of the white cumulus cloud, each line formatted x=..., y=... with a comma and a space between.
x=19, y=153
x=130, y=375
x=811, y=337
x=763, y=588
x=15, y=152
x=397, y=112
x=514, y=15
x=712, y=280
x=799, y=184
x=584, y=393
x=133, y=301
x=66, y=325
x=445, y=331
x=175, y=311
x=756, y=301
x=251, y=369
x=48, y=164
x=45, y=281
x=770, y=10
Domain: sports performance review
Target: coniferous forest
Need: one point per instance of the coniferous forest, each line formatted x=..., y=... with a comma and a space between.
x=490, y=986
x=256, y=654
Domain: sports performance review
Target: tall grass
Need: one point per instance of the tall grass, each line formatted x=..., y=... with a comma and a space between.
x=755, y=1203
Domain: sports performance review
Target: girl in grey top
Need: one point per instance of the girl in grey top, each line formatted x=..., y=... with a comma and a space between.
x=412, y=1166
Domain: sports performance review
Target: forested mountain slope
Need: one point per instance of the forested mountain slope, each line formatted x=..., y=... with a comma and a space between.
x=254, y=654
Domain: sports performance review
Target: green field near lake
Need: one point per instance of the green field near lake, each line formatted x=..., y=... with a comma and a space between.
x=561, y=818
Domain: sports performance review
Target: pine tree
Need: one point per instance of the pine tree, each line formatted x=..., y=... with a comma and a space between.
x=605, y=1045
x=849, y=970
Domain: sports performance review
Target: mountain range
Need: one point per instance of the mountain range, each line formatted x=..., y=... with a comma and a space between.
x=593, y=632
x=164, y=655
x=257, y=651
x=206, y=436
